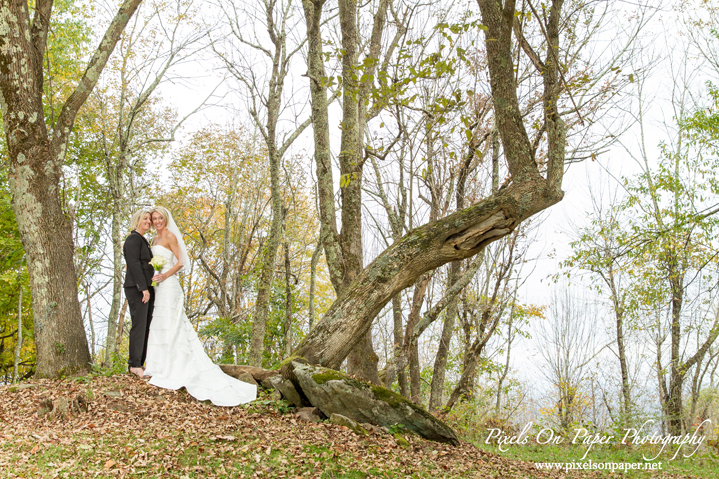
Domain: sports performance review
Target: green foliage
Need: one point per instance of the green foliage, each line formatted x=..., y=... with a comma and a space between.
x=68, y=45
x=13, y=277
x=232, y=335
x=118, y=365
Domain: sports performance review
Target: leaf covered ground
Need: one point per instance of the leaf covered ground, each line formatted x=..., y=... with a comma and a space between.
x=120, y=426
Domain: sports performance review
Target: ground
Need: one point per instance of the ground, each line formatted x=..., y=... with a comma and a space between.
x=120, y=426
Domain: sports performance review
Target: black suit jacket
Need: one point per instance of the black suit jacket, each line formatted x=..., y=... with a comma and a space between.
x=137, y=257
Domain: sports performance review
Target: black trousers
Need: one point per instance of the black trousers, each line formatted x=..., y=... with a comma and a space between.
x=141, y=314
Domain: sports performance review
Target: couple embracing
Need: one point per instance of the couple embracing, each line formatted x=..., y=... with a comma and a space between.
x=162, y=337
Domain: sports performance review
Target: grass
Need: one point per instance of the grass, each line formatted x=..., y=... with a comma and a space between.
x=705, y=463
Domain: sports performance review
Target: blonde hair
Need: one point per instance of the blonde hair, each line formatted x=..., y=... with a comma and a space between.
x=162, y=210
x=137, y=217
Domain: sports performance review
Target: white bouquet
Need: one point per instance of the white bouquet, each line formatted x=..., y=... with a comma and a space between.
x=158, y=262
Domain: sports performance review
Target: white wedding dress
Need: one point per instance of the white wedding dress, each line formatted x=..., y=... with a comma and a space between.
x=175, y=356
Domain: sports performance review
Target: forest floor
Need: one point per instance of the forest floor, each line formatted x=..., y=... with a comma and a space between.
x=120, y=426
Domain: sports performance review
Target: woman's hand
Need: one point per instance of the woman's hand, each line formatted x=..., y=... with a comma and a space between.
x=159, y=277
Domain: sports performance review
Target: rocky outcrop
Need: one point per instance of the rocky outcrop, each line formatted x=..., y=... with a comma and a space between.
x=335, y=393
x=311, y=414
x=287, y=389
x=341, y=420
x=239, y=371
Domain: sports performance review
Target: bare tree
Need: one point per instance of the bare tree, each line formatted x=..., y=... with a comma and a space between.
x=567, y=343
x=266, y=104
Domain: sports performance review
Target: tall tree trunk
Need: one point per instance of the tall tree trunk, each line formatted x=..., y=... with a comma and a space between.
x=440, y=361
x=420, y=289
x=362, y=360
x=269, y=261
x=46, y=234
x=661, y=374
x=398, y=342
x=117, y=279
x=343, y=250
x=505, y=371
x=90, y=322
x=621, y=351
x=276, y=150
x=18, y=344
x=313, y=284
x=36, y=162
x=677, y=369
x=288, y=302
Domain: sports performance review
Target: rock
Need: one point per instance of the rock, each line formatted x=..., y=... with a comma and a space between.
x=246, y=377
x=311, y=414
x=335, y=393
x=375, y=429
x=341, y=420
x=258, y=374
x=286, y=388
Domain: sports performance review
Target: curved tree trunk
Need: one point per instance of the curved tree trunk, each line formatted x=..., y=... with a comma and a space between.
x=456, y=237
x=464, y=233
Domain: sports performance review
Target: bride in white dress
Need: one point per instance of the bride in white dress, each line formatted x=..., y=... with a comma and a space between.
x=175, y=356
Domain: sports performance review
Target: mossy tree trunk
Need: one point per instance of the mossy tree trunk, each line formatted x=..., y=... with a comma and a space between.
x=343, y=248
x=36, y=160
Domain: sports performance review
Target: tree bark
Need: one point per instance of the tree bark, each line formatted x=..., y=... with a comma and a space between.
x=269, y=260
x=621, y=350
x=288, y=302
x=36, y=161
x=117, y=279
x=420, y=289
x=362, y=360
x=313, y=284
x=18, y=344
x=440, y=360
x=90, y=322
x=121, y=325
x=398, y=341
